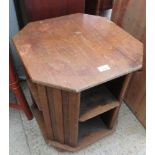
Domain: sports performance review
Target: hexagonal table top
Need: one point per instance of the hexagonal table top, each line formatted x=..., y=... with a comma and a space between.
x=76, y=52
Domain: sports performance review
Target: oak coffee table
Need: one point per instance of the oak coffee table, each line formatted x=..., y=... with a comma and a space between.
x=78, y=68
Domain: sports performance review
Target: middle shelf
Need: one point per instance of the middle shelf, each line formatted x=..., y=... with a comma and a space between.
x=96, y=101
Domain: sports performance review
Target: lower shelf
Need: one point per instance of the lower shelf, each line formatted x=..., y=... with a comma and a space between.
x=89, y=132
x=90, y=127
x=84, y=142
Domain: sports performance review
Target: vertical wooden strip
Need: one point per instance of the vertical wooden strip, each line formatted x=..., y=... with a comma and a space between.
x=117, y=16
x=55, y=104
x=110, y=117
x=45, y=110
x=74, y=106
x=125, y=86
x=57, y=98
x=38, y=96
x=65, y=101
x=98, y=7
x=71, y=106
x=34, y=91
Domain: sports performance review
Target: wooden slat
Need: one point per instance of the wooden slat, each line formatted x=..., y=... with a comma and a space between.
x=97, y=111
x=55, y=105
x=34, y=93
x=65, y=101
x=71, y=105
x=136, y=94
x=117, y=16
x=125, y=86
x=74, y=105
x=33, y=90
x=45, y=110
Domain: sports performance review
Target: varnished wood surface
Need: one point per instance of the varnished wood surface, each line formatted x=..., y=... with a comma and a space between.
x=71, y=106
x=136, y=96
x=33, y=87
x=131, y=16
x=55, y=107
x=45, y=110
x=65, y=52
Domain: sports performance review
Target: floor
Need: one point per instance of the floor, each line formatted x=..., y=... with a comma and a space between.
x=26, y=138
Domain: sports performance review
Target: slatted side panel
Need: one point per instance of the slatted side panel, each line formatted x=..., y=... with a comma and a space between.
x=45, y=110
x=34, y=91
x=60, y=111
x=55, y=107
x=71, y=106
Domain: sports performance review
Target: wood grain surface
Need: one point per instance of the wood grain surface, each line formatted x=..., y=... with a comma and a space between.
x=71, y=106
x=55, y=108
x=45, y=110
x=131, y=16
x=65, y=52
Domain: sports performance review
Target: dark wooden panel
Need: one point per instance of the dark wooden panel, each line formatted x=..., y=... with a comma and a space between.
x=106, y=4
x=131, y=16
x=32, y=10
x=75, y=6
x=136, y=94
x=95, y=7
x=34, y=91
x=91, y=6
x=55, y=105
